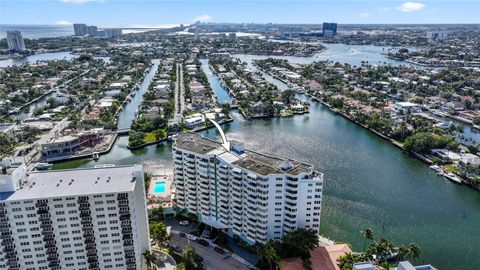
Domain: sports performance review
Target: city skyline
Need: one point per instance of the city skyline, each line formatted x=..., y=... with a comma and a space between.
x=66, y=12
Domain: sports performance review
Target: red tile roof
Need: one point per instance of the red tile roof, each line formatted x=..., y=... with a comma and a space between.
x=322, y=258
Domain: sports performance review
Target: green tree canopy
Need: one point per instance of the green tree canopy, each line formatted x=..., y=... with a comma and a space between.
x=158, y=232
x=423, y=142
x=156, y=214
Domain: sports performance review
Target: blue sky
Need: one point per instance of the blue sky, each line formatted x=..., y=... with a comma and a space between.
x=127, y=12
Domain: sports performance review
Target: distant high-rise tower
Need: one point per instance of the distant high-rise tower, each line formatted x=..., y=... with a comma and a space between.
x=434, y=35
x=329, y=29
x=92, y=30
x=15, y=41
x=80, y=29
x=112, y=32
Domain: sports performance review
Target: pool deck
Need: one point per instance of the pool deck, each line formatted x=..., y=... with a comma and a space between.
x=163, y=199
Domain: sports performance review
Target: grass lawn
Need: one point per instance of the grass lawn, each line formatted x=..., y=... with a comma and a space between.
x=452, y=168
x=152, y=136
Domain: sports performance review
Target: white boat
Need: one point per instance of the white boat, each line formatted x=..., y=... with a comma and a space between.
x=436, y=169
x=104, y=166
x=452, y=177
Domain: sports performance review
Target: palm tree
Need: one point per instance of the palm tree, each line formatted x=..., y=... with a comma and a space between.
x=150, y=259
x=402, y=251
x=413, y=251
x=382, y=249
x=346, y=261
x=368, y=234
x=267, y=254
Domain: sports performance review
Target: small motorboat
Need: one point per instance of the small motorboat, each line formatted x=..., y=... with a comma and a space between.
x=436, y=169
x=452, y=177
x=42, y=166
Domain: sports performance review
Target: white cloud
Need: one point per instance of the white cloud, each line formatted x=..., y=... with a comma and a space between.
x=63, y=23
x=384, y=9
x=363, y=14
x=80, y=1
x=202, y=18
x=411, y=6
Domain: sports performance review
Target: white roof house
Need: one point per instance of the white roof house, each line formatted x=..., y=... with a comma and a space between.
x=470, y=159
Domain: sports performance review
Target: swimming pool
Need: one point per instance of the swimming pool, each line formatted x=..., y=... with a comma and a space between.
x=160, y=187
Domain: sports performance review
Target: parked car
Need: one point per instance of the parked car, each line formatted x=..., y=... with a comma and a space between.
x=206, y=234
x=203, y=242
x=219, y=250
x=192, y=237
x=177, y=248
x=184, y=223
x=198, y=258
x=182, y=234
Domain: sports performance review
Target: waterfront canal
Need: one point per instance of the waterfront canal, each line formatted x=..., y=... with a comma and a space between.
x=44, y=57
x=127, y=115
x=368, y=183
x=28, y=110
x=37, y=57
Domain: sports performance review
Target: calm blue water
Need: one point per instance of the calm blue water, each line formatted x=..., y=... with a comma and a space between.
x=37, y=57
x=159, y=187
x=223, y=96
x=126, y=116
x=342, y=53
x=37, y=31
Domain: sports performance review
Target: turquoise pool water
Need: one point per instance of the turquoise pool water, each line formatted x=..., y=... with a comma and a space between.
x=159, y=187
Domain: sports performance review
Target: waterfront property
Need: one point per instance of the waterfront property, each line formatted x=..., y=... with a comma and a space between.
x=248, y=194
x=322, y=258
x=404, y=265
x=62, y=146
x=75, y=143
x=325, y=139
x=69, y=219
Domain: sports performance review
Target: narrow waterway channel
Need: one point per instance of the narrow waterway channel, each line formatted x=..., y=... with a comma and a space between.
x=28, y=110
x=127, y=115
x=368, y=182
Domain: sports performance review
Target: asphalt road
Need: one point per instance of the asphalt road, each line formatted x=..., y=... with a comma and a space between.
x=211, y=259
x=179, y=97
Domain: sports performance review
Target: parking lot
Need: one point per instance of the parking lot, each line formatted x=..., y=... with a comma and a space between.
x=212, y=260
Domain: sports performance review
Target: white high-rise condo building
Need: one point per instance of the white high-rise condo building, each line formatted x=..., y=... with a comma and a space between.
x=252, y=195
x=112, y=32
x=80, y=29
x=73, y=219
x=92, y=30
x=15, y=41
